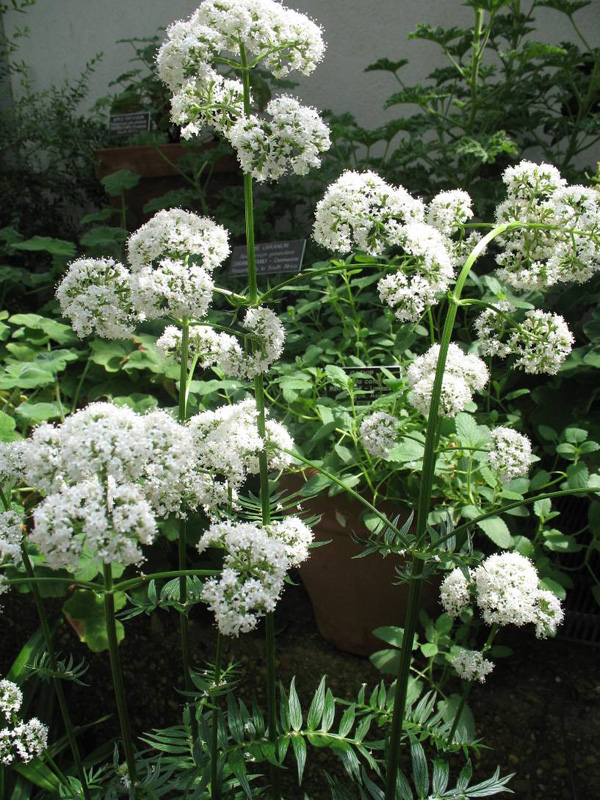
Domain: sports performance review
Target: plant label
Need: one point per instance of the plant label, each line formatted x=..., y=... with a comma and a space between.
x=128, y=124
x=271, y=257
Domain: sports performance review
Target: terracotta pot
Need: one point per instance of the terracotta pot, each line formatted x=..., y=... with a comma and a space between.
x=352, y=596
x=157, y=166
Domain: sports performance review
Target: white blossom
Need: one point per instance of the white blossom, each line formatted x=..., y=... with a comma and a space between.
x=549, y=614
x=576, y=257
x=173, y=288
x=30, y=739
x=492, y=328
x=361, y=211
x=21, y=740
x=178, y=234
x=219, y=349
x=541, y=343
x=454, y=593
x=95, y=294
x=11, y=463
x=226, y=442
x=290, y=140
x=207, y=100
x=11, y=699
x=534, y=258
x=511, y=453
x=506, y=587
x=449, y=210
x=430, y=269
x=378, y=433
x=11, y=537
x=107, y=523
x=255, y=563
x=463, y=375
x=470, y=665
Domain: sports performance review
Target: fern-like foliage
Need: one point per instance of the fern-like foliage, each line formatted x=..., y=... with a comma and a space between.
x=66, y=669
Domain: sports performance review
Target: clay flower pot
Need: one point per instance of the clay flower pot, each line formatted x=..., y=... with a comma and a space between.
x=352, y=596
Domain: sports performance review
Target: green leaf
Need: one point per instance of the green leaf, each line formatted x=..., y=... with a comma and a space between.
x=317, y=705
x=469, y=432
x=299, y=746
x=58, y=331
x=25, y=376
x=560, y=542
x=7, y=428
x=429, y=649
x=295, y=709
x=577, y=476
x=46, y=244
x=420, y=769
x=34, y=413
x=337, y=376
x=465, y=730
x=390, y=634
x=120, y=181
x=109, y=354
x=85, y=612
x=406, y=452
x=386, y=65
x=386, y=661
x=496, y=529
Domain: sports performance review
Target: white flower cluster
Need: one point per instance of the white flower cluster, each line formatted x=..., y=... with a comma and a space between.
x=108, y=473
x=506, y=589
x=255, y=564
x=23, y=740
x=290, y=141
x=253, y=32
x=541, y=342
x=511, y=453
x=104, y=297
x=227, y=443
x=378, y=432
x=430, y=267
x=11, y=537
x=361, y=211
x=471, y=665
x=282, y=39
x=95, y=294
x=223, y=350
x=178, y=234
x=172, y=288
x=207, y=100
x=534, y=258
x=463, y=375
x=449, y=210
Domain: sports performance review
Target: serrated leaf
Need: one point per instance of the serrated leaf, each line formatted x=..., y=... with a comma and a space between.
x=120, y=181
x=299, y=746
x=315, y=712
x=295, y=710
x=496, y=529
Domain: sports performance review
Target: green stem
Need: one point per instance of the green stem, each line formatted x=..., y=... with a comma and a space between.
x=262, y=458
x=215, y=785
x=117, y=676
x=469, y=686
x=423, y=507
x=58, y=687
x=184, y=628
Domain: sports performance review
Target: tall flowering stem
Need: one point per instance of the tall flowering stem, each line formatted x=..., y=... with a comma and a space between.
x=423, y=508
x=259, y=394
x=182, y=557
x=215, y=786
x=58, y=688
x=117, y=676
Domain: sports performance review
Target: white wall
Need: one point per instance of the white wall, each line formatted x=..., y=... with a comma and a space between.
x=67, y=33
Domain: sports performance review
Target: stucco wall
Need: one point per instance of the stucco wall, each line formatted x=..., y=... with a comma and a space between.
x=66, y=33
